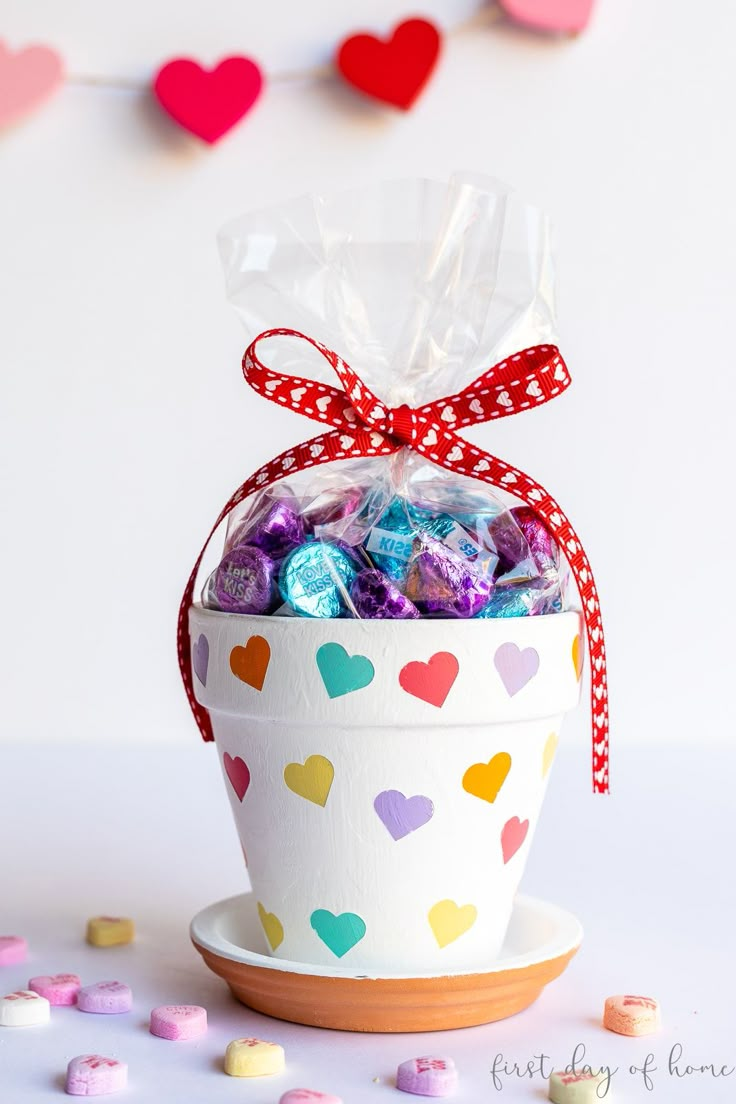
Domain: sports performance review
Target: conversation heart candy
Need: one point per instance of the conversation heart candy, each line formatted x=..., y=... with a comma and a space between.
x=106, y=997
x=59, y=989
x=95, y=1075
x=308, y=1096
x=576, y=1088
x=178, y=1021
x=110, y=931
x=23, y=1009
x=631, y=1015
x=427, y=1076
x=253, y=1058
x=13, y=949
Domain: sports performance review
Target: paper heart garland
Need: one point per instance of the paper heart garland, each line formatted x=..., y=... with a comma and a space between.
x=569, y=16
x=394, y=70
x=27, y=78
x=208, y=102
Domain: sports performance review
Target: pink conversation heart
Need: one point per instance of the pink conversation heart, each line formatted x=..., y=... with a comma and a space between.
x=562, y=16
x=95, y=1075
x=107, y=997
x=178, y=1021
x=402, y=815
x=237, y=771
x=308, y=1096
x=513, y=835
x=515, y=667
x=59, y=989
x=13, y=949
x=427, y=1076
x=27, y=78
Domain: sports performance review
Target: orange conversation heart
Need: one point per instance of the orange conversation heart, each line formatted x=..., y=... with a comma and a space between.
x=250, y=663
x=484, y=780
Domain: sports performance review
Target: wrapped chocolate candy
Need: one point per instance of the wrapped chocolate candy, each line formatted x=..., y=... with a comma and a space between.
x=244, y=582
x=275, y=525
x=540, y=542
x=442, y=584
x=315, y=578
x=526, y=599
x=390, y=541
x=376, y=596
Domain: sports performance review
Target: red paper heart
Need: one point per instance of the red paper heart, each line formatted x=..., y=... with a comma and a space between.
x=569, y=16
x=395, y=71
x=431, y=681
x=237, y=771
x=208, y=102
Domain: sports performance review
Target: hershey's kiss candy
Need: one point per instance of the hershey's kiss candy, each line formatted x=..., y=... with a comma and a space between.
x=243, y=582
x=374, y=595
x=316, y=577
x=391, y=540
x=542, y=545
x=332, y=507
x=442, y=584
x=275, y=526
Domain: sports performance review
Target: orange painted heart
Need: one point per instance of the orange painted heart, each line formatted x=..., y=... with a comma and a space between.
x=250, y=663
x=208, y=102
x=237, y=771
x=396, y=70
x=484, y=780
x=430, y=681
x=577, y=656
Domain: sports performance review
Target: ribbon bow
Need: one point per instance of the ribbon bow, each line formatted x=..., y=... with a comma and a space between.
x=364, y=426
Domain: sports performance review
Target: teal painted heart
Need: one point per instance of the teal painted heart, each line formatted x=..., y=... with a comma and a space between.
x=339, y=933
x=342, y=673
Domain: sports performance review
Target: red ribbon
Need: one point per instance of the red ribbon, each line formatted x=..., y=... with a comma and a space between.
x=364, y=426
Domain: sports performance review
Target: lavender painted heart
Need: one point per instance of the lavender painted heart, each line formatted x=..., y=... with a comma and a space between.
x=201, y=658
x=402, y=815
x=516, y=667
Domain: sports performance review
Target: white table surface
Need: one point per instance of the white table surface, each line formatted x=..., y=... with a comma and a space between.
x=146, y=832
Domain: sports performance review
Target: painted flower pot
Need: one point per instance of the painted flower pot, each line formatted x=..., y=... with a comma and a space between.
x=386, y=777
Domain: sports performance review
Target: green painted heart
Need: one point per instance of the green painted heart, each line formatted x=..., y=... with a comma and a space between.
x=339, y=933
x=342, y=673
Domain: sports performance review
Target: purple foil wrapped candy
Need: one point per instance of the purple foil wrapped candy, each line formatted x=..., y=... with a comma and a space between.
x=542, y=545
x=442, y=584
x=375, y=596
x=510, y=544
x=332, y=507
x=244, y=581
x=527, y=599
x=275, y=526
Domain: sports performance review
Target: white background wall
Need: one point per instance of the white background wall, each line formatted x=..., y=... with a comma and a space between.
x=125, y=421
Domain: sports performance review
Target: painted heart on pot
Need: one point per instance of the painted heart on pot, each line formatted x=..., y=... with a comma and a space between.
x=430, y=681
x=250, y=664
x=311, y=779
x=208, y=102
x=449, y=921
x=402, y=815
x=342, y=673
x=27, y=78
x=577, y=656
x=484, y=780
x=548, y=754
x=396, y=70
x=513, y=835
x=272, y=926
x=338, y=933
x=569, y=16
x=516, y=667
x=238, y=774
x=201, y=658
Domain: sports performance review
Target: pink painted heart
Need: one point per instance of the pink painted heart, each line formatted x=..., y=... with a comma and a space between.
x=402, y=815
x=237, y=771
x=513, y=835
x=27, y=78
x=430, y=681
x=516, y=667
x=569, y=16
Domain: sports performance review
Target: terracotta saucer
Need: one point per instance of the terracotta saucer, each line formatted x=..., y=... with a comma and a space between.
x=540, y=942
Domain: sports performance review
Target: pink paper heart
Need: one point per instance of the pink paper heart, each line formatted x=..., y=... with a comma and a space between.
x=27, y=78
x=569, y=16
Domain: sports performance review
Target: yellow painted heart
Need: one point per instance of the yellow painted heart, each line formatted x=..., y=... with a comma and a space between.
x=577, y=656
x=549, y=753
x=311, y=779
x=449, y=921
x=484, y=780
x=272, y=926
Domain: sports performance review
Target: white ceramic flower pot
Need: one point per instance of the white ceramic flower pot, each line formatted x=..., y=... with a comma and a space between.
x=386, y=777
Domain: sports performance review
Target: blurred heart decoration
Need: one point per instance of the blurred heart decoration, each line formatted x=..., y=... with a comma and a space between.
x=208, y=102
x=393, y=70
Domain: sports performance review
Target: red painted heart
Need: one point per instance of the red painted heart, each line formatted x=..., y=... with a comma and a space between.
x=237, y=771
x=208, y=102
x=431, y=681
x=394, y=71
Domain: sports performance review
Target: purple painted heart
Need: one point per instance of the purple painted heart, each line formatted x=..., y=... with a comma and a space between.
x=403, y=815
x=201, y=658
x=516, y=667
